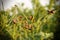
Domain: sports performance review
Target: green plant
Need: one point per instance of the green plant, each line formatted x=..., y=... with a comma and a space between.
x=29, y=24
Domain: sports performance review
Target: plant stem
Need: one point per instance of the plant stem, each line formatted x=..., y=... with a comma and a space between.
x=2, y=5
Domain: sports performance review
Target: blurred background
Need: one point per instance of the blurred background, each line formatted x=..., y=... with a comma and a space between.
x=27, y=3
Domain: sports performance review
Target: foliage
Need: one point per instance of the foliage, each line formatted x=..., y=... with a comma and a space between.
x=29, y=24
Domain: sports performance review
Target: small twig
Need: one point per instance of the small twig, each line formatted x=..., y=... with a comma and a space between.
x=2, y=5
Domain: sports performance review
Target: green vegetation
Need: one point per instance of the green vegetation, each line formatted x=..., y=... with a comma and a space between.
x=29, y=24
